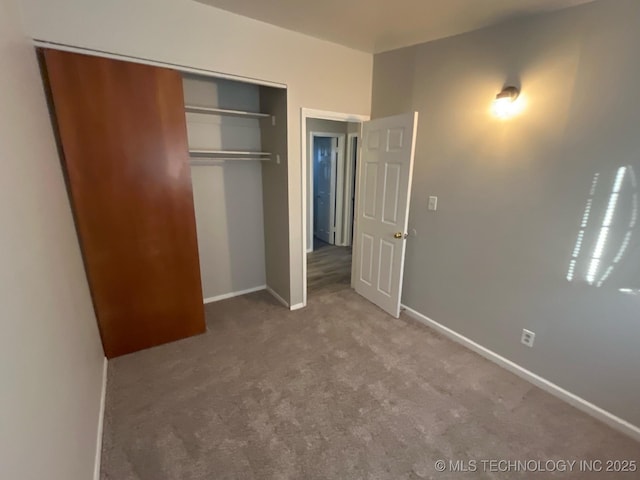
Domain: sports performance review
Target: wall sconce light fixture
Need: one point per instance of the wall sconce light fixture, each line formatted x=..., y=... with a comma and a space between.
x=505, y=105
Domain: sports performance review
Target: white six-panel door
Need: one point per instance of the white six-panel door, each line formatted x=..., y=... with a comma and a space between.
x=384, y=190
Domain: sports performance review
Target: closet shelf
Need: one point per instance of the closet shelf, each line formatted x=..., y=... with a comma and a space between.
x=224, y=111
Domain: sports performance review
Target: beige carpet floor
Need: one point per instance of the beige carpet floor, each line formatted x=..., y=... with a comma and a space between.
x=338, y=390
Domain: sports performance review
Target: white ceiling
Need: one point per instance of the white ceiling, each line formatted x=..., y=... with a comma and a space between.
x=380, y=25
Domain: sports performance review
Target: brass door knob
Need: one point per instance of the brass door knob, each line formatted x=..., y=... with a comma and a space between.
x=400, y=235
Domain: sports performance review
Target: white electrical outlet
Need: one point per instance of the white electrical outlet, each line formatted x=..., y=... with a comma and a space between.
x=527, y=337
x=433, y=203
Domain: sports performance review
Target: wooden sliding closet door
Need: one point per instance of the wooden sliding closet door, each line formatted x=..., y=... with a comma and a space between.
x=123, y=134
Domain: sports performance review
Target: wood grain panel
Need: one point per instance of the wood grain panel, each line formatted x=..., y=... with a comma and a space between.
x=123, y=135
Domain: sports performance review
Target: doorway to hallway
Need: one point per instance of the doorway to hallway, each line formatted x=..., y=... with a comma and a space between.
x=331, y=161
x=380, y=218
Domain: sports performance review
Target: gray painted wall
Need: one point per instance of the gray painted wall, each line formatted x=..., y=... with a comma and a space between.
x=326, y=126
x=228, y=195
x=275, y=195
x=494, y=258
x=51, y=359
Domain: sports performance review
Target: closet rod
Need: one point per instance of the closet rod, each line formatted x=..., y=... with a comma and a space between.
x=198, y=152
x=224, y=111
x=217, y=160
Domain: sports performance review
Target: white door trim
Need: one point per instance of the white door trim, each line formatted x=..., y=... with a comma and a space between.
x=100, y=429
x=589, y=408
x=349, y=190
x=339, y=190
x=154, y=63
x=336, y=194
x=324, y=115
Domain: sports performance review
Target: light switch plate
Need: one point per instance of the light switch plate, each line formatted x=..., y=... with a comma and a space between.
x=433, y=203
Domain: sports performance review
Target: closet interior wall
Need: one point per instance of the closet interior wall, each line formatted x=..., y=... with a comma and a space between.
x=237, y=197
x=275, y=192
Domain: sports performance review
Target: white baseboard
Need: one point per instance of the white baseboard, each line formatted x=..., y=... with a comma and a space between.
x=103, y=396
x=297, y=306
x=277, y=297
x=224, y=296
x=580, y=403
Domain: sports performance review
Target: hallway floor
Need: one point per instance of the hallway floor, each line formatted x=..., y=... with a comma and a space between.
x=338, y=390
x=328, y=268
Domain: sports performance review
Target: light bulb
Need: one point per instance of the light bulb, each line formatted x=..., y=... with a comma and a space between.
x=507, y=103
x=503, y=107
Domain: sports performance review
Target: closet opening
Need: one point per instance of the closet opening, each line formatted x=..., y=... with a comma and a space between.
x=238, y=160
x=331, y=166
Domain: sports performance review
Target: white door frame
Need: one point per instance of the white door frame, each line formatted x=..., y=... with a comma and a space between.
x=349, y=188
x=337, y=187
x=324, y=115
